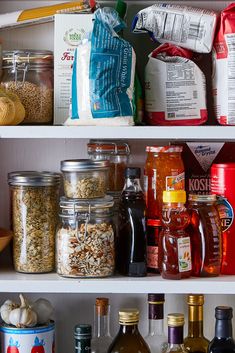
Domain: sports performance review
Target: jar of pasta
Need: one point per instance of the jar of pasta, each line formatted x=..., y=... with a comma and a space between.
x=117, y=153
x=85, y=238
x=34, y=205
x=165, y=173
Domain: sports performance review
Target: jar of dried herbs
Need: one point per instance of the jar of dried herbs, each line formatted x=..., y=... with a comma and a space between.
x=34, y=205
x=85, y=239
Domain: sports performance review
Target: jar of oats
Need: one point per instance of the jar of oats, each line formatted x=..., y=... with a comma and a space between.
x=34, y=207
x=84, y=178
x=85, y=245
x=29, y=74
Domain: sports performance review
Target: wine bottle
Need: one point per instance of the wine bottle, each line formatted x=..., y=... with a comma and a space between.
x=82, y=336
x=175, y=333
x=195, y=341
x=156, y=338
x=129, y=339
x=223, y=341
x=101, y=339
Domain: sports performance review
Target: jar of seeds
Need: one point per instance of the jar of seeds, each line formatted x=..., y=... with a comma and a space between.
x=34, y=206
x=85, y=238
x=29, y=74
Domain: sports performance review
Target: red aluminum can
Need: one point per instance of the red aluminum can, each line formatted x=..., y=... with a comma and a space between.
x=223, y=185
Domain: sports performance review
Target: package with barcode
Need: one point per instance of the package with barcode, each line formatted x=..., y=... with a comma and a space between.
x=175, y=88
x=186, y=26
x=223, y=78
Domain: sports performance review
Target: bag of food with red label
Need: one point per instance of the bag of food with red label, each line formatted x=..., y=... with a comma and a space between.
x=175, y=88
x=223, y=78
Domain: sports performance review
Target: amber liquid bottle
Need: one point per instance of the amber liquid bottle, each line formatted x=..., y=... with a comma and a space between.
x=128, y=339
x=195, y=342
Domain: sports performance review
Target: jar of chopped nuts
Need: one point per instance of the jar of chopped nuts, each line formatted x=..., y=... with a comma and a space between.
x=117, y=153
x=29, y=74
x=85, y=245
x=34, y=205
x=84, y=178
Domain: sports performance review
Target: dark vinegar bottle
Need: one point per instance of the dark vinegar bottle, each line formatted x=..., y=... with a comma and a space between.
x=132, y=243
x=223, y=341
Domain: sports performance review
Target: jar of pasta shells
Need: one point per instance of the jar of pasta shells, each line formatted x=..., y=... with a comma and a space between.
x=34, y=206
x=85, y=238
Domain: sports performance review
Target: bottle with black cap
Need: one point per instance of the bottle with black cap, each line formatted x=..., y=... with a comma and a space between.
x=82, y=336
x=131, y=243
x=156, y=338
x=223, y=341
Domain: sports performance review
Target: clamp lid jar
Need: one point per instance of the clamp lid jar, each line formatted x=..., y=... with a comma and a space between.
x=85, y=238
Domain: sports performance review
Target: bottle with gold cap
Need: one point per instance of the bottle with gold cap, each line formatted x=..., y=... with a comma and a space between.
x=195, y=341
x=174, y=245
x=129, y=339
x=156, y=338
x=175, y=324
x=101, y=339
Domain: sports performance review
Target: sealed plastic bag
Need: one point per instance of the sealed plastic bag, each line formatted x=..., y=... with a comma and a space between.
x=175, y=88
x=103, y=75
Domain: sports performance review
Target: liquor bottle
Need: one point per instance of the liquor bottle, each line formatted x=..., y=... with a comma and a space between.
x=223, y=341
x=156, y=338
x=131, y=242
x=195, y=342
x=82, y=336
x=128, y=339
x=175, y=333
x=101, y=339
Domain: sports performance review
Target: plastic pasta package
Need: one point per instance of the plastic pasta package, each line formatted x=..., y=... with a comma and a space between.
x=103, y=75
x=186, y=26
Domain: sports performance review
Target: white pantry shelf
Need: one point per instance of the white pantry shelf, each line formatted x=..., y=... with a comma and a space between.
x=14, y=282
x=184, y=133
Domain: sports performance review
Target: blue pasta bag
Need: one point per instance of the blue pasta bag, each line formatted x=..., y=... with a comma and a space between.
x=103, y=75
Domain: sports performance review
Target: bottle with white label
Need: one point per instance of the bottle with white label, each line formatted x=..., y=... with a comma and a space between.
x=174, y=246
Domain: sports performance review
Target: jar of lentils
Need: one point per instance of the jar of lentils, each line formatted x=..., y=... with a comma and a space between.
x=34, y=206
x=85, y=238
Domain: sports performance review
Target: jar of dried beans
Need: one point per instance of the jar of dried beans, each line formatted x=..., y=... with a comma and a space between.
x=117, y=153
x=34, y=205
x=29, y=74
x=85, y=238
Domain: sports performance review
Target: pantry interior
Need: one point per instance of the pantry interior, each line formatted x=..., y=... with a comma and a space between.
x=43, y=147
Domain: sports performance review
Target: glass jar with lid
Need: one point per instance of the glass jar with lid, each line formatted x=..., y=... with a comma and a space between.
x=85, y=178
x=34, y=206
x=117, y=153
x=206, y=235
x=85, y=244
x=29, y=74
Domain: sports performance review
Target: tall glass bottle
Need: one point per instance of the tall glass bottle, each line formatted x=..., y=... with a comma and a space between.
x=195, y=342
x=223, y=341
x=175, y=333
x=101, y=339
x=132, y=243
x=82, y=336
x=156, y=338
x=128, y=339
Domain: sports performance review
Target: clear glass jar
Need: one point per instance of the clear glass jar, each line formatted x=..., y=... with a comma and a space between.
x=117, y=153
x=85, y=244
x=29, y=74
x=84, y=178
x=34, y=205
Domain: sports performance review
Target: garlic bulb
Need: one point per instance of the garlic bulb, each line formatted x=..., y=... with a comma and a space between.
x=23, y=316
x=43, y=309
x=6, y=308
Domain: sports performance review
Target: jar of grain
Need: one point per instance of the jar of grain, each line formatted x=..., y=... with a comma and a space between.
x=117, y=153
x=34, y=205
x=85, y=238
x=29, y=74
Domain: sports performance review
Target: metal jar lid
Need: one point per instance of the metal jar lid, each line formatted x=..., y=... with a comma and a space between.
x=82, y=165
x=21, y=58
x=70, y=207
x=33, y=178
